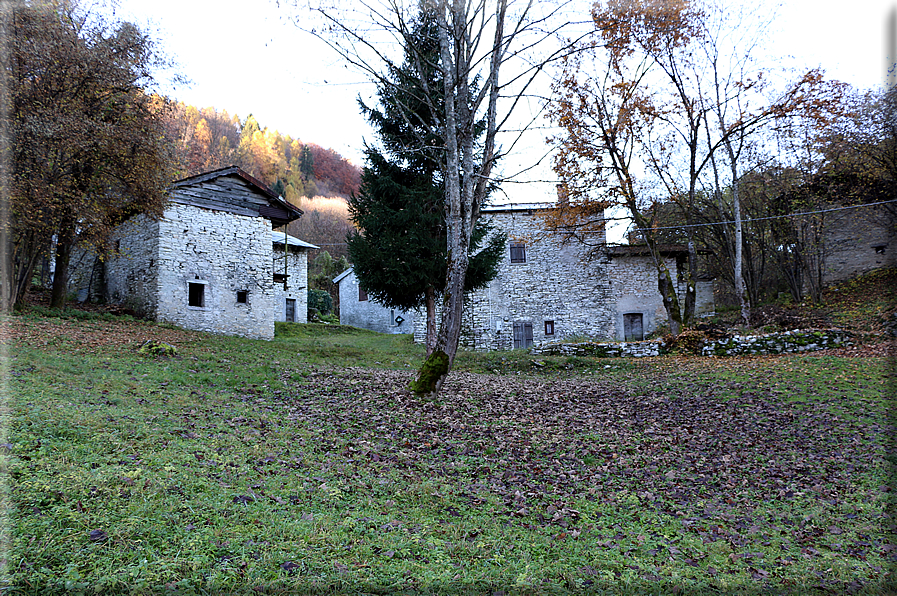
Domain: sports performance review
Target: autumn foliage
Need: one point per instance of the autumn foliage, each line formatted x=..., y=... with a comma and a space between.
x=207, y=139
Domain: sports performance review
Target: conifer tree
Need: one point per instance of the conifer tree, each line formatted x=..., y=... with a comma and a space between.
x=400, y=250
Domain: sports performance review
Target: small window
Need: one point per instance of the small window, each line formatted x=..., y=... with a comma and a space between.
x=518, y=252
x=362, y=295
x=880, y=248
x=549, y=327
x=280, y=278
x=523, y=335
x=242, y=296
x=197, y=294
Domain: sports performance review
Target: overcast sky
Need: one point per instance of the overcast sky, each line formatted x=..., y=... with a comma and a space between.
x=243, y=57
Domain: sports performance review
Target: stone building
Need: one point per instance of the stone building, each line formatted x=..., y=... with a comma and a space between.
x=209, y=263
x=358, y=310
x=858, y=240
x=549, y=288
x=291, y=273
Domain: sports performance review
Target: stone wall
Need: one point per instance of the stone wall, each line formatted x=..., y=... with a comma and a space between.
x=226, y=255
x=786, y=342
x=297, y=282
x=557, y=283
x=858, y=241
x=798, y=340
x=561, y=288
x=367, y=314
x=632, y=349
x=634, y=287
x=132, y=271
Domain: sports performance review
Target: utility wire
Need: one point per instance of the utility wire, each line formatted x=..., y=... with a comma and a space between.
x=720, y=223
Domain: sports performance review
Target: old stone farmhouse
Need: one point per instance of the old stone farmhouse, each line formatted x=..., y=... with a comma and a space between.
x=548, y=288
x=212, y=262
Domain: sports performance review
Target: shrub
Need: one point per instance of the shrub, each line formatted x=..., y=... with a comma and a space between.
x=320, y=301
x=152, y=347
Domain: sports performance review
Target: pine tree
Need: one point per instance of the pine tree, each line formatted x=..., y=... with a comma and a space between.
x=399, y=251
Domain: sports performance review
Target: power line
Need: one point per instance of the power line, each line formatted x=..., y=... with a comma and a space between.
x=721, y=223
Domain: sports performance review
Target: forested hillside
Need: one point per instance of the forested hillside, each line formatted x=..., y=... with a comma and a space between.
x=316, y=179
x=206, y=139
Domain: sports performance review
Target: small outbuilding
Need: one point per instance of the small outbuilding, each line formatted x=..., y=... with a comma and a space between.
x=358, y=310
x=210, y=262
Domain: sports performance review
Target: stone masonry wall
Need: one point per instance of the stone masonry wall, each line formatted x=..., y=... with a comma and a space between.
x=556, y=283
x=634, y=283
x=225, y=253
x=858, y=241
x=786, y=342
x=132, y=277
x=634, y=286
x=297, y=282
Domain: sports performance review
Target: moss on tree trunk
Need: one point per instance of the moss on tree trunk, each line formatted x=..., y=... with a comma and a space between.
x=435, y=367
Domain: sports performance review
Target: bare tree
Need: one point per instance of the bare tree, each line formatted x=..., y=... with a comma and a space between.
x=671, y=101
x=490, y=56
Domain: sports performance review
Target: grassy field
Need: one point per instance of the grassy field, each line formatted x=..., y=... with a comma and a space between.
x=302, y=465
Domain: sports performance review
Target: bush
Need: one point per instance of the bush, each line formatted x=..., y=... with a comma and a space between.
x=690, y=341
x=320, y=301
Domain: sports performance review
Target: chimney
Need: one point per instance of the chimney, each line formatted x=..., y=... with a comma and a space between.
x=563, y=199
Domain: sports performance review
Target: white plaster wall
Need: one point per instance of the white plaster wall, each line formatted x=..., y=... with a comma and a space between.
x=368, y=314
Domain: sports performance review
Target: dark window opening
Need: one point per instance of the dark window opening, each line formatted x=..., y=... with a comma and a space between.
x=242, y=296
x=362, y=295
x=549, y=327
x=880, y=249
x=518, y=252
x=523, y=335
x=633, y=329
x=280, y=278
x=290, y=314
x=197, y=295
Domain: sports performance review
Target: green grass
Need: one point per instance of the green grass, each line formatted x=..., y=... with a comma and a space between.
x=302, y=465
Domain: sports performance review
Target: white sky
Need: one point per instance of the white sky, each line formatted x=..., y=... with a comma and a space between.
x=245, y=58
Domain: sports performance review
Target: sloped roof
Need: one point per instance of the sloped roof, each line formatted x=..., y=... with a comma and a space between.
x=642, y=250
x=342, y=275
x=234, y=191
x=277, y=238
x=508, y=207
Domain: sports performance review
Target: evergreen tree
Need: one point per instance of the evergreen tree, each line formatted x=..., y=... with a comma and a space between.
x=306, y=163
x=399, y=250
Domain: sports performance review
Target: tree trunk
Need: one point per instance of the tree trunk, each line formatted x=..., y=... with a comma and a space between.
x=453, y=304
x=739, y=254
x=61, y=274
x=691, y=290
x=431, y=320
x=670, y=300
x=22, y=256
